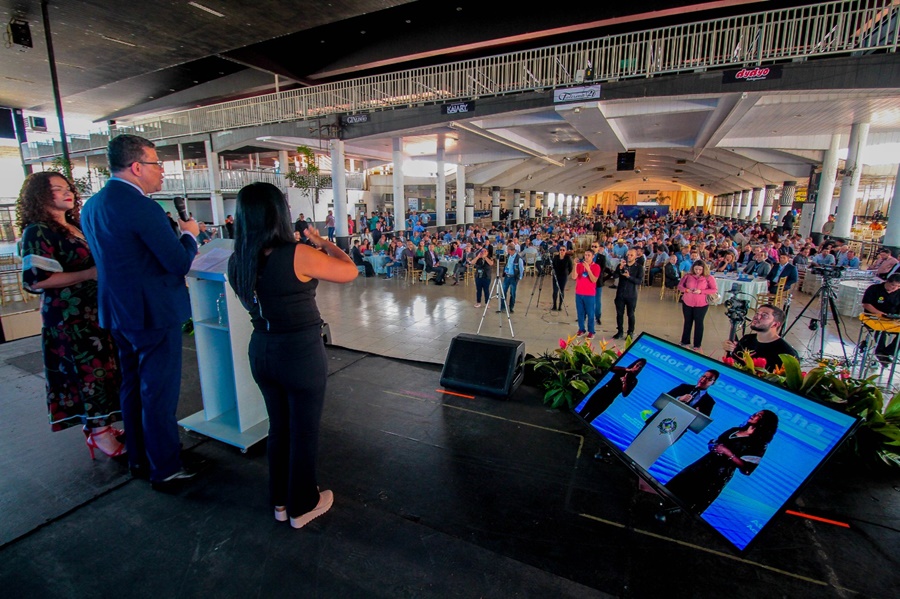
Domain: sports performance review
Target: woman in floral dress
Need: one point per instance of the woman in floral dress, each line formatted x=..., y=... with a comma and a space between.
x=80, y=361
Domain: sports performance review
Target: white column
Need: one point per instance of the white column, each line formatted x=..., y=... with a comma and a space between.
x=757, y=204
x=859, y=134
x=568, y=207
x=495, y=203
x=470, y=203
x=788, y=193
x=532, y=204
x=729, y=204
x=517, y=197
x=825, y=194
x=746, y=203
x=892, y=230
x=399, y=193
x=440, y=193
x=215, y=184
x=768, y=204
x=283, y=163
x=461, y=195
x=338, y=186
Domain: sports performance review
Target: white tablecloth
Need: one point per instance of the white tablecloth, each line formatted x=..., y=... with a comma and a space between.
x=747, y=290
x=849, y=296
x=377, y=263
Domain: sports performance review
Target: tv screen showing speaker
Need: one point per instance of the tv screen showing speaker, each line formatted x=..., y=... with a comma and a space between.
x=625, y=161
x=727, y=446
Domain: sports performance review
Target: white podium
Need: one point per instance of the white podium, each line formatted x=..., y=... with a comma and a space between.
x=672, y=419
x=233, y=408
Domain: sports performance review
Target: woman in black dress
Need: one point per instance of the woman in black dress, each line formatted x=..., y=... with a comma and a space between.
x=276, y=279
x=80, y=359
x=624, y=380
x=739, y=448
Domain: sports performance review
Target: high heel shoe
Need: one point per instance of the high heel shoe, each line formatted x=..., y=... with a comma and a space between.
x=118, y=432
x=91, y=441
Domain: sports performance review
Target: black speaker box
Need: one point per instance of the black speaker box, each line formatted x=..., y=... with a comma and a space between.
x=625, y=161
x=484, y=365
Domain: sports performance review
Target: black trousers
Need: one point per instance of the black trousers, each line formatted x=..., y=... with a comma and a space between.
x=559, y=291
x=693, y=318
x=623, y=304
x=291, y=370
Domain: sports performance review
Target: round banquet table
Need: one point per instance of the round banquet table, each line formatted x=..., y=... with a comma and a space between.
x=747, y=290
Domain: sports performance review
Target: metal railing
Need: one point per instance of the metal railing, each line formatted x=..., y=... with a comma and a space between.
x=843, y=27
x=196, y=180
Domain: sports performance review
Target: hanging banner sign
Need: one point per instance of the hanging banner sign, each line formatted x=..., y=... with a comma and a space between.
x=354, y=119
x=458, y=107
x=754, y=74
x=577, y=94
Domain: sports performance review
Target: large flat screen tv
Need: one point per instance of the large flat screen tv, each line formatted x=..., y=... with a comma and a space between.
x=727, y=446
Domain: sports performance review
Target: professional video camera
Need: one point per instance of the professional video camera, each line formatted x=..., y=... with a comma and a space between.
x=736, y=310
x=827, y=272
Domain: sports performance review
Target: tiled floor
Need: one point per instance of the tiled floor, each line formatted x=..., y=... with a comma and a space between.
x=416, y=321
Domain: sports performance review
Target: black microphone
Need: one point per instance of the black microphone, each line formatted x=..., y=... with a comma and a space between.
x=181, y=207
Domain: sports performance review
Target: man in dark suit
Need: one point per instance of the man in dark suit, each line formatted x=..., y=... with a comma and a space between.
x=783, y=270
x=143, y=301
x=433, y=264
x=697, y=395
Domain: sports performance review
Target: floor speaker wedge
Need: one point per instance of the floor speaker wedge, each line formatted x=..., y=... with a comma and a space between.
x=484, y=365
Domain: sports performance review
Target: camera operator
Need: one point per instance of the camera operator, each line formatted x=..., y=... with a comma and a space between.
x=482, y=265
x=878, y=300
x=766, y=342
x=562, y=268
x=631, y=274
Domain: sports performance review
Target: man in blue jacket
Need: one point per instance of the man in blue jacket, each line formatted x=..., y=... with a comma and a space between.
x=143, y=300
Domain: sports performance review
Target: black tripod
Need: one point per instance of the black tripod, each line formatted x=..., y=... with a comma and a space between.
x=497, y=292
x=826, y=295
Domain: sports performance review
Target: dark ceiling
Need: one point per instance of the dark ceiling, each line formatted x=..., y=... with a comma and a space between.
x=118, y=58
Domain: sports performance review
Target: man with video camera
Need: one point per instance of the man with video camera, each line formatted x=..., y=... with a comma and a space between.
x=766, y=341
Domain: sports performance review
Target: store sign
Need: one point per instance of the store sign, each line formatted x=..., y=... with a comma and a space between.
x=577, y=94
x=754, y=74
x=458, y=107
x=355, y=119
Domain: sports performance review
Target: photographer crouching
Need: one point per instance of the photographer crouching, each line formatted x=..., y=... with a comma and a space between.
x=766, y=342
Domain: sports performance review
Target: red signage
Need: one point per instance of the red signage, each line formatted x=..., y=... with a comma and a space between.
x=752, y=74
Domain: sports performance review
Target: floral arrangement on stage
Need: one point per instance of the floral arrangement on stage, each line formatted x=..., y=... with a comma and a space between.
x=567, y=373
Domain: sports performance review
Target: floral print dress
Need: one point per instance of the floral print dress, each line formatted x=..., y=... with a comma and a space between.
x=80, y=358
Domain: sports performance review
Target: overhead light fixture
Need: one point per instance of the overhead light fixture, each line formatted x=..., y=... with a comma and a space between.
x=206, y=9
x=504, y=142
x=118, y=41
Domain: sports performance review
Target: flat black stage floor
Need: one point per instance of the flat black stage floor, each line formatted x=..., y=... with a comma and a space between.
x=437, y=495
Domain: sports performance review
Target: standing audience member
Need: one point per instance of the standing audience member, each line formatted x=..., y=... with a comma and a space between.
x=695, y=287
x=562, y=269
x=599, y=260
x=329, y=225
x=143, y=300
x=483, y=265
x=512, y=274
x=586, y=275
x=276, y=279
x=630, y=273
x=81, y=371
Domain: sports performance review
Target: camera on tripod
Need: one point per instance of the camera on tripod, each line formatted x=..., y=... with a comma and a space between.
x=736, y=310
x=827, y=272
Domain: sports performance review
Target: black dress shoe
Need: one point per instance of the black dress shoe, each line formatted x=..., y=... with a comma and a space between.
x=174, y=482
x=617, y=336
x=613, y=287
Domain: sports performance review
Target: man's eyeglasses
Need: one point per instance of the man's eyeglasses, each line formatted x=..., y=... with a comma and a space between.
x=157, y=162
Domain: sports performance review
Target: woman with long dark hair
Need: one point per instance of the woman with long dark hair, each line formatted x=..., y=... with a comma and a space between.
x=80, y=359
x=739, y=448
x=276, y=279
x=695, y=288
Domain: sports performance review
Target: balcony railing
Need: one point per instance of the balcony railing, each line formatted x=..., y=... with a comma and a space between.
x=843, y=27
x=194, y=181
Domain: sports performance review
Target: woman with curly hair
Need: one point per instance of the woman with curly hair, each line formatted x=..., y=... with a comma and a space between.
x=80, y=364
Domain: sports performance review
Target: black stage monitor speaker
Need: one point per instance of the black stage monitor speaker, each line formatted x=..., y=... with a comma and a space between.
x=625, y=161
x=484, y=365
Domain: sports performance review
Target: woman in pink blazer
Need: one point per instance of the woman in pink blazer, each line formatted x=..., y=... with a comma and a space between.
x=695, y=287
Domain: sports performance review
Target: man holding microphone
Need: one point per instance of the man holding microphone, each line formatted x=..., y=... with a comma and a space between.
x=631, y=274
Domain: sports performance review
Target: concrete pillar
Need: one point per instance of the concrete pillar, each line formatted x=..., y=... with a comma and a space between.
x=399, y=193
x=892, y=230
x=495, y=203
x=736, y=210
x=746, y=204
x=768, y=203
x=283, y=164
x=825, y=194
x=339, y=187
x=215, y=184
x=532, y=204
x=859, y=134
x=729, y=205
x=757, y=203
x=788, y=193
x=517, y=198
x=440, y=193
x=470, y=203
x=461, y=195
